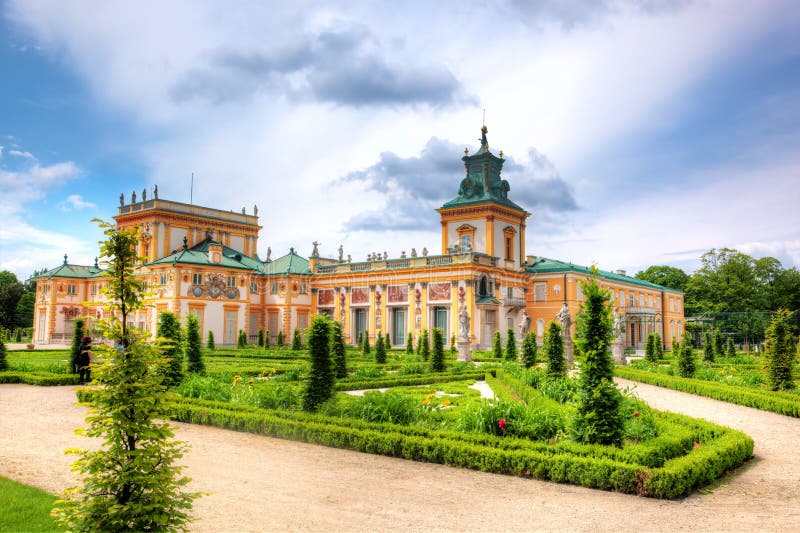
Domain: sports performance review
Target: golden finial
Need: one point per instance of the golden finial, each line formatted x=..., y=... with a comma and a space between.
x=466, y=151
x=501, y=154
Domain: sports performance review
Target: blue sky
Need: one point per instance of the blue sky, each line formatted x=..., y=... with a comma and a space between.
x=637, y=133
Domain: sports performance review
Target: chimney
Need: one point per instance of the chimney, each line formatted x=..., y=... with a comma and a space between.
x=621, y=272
x=531, y=259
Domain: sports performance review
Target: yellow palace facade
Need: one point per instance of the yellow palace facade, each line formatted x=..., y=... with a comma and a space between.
x=202, y=260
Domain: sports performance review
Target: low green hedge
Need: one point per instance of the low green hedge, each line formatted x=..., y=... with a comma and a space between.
x=776, y=402
x=413, y=379
x=720, y=449
x=38, y=377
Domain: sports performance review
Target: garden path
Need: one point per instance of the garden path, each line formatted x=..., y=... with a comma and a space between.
x=260, y=483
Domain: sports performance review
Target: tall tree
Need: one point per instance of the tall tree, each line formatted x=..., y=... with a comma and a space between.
x=719, y=344
x=780, y=352
x=708, y=347
x=11, y=290
x=664, y=275
x=131, y=483
x=169, y=329
x=726, y=282
x=497, y=346
x=23, y=314
x=424, y=345
x=319, y=384
x=767, y=271
x=410, y=344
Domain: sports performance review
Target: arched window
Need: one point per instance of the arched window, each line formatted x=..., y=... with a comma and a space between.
x=483, y=289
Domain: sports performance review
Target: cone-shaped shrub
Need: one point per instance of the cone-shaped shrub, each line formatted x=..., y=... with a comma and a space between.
x=598, y=416
x=708, y=348
x=779, y=352
x=266, y=339
x=319, y=384
x=658, y=348
x=279, y=340
x=730, y=348
x=210, y=341
x=3, y=360
x=297, y=340
x=650, y=349
x=425, y=345
x=75, y=348
x=511, y=345
x=686, y=366
x=675, y=347
x=338, y=351
x=719, y=344
x=261, y=337
x=194, y=357
x=453, y=346
x=169, y=328
x=497, y=346
x=365, y=348
x=529, y=350
x=437, y=355
x=241, y=342
x=410, y=344
x=553, y=345
x=380, y=350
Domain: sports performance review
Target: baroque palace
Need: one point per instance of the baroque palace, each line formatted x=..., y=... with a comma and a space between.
x=203, y=261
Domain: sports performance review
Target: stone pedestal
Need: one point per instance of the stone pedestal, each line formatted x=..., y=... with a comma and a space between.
x=463, y=350
x=618, y=351
x=568, y=347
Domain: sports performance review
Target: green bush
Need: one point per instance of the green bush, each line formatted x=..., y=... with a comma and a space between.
x=497, y=346
x=650, y=348
x=194, y=356
x=266, y=339
x=380, y=350
x=708, y=348
x=78, y=333
x=719, y=344
x=169, y=329
x=529, y=350
x=780, y=351
x=205, y=388
x=686, y=366
x=241, y=340
x=261, y=338
x=279, y=340
x=659, y=346
x=437, y=358
x=210, y=340
x=511, y=345
x=338, y=351
x=410, y=344
x=319, y=384
x=40, y=378
x=297, y=340
x=424, y=345
x=3, y=360
x=365, y=348
x=390, y=407
x=730, y=349
x=553, y=344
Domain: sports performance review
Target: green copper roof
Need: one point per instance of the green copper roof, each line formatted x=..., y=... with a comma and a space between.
x=66, y=270
x=290, y=263
x=544, y=265
x=483, y=182
x=198, y=255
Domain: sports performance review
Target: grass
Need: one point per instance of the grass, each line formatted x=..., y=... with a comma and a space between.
x=25, y=508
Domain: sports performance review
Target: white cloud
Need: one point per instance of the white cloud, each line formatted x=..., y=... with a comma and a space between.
x=75, y=201
x=30, y=183
x=20, y=153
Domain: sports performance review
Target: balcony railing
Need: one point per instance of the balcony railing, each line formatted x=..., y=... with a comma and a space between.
x=514, y=302
x=409, y=262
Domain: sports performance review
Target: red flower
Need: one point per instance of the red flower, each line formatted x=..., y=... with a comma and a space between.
x=636, y=413
x=502, y=423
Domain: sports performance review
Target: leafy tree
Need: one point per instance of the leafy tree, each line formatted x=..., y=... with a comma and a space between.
x=650, y=348
x=380, y=350
x=132, y=482
x=708, y=348
x=726, y=282
x=664, y=275
x=319, y=384
x=338, y=350
x=779, y=352
x=598, y=415
x=24, y=310
x=529, y=350
x=279, y=340
x=365, y=349
x=241, y=341
x=410, y=344
x=261, y=338
x=3, y=360
x=11, y=290
x=553, y=345
x=210, y=341
x=169, y=329
x=194, y=356
x=686, y=366
x=511, y=345
x=719, y=344
x=787, y=289
x=424, y=345
x=78, y=332
x=437, y=356
x=497, y=346
x=297, y=340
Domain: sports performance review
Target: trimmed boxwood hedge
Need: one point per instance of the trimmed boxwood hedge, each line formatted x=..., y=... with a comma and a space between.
x=38, y=377
x=414, y=379
x=776, y=402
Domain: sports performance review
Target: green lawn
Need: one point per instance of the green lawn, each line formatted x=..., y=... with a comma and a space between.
x=25, y=508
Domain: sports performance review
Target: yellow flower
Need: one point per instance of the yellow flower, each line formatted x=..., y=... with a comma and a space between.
x=445, y=403
x=250, y=380
x=236, y=379
x=425, y=401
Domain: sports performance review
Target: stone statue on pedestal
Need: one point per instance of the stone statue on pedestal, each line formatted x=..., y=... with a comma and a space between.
x=618, y=343
x=564, y=317
x=463, y=341
x=525, y=326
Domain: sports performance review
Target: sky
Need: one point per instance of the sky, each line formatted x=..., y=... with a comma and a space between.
x=637, y=133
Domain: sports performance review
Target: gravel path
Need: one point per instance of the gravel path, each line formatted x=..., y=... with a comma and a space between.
x=260, y=483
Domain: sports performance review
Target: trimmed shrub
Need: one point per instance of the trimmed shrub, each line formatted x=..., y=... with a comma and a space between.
x=194, y=356
x=410, y=344
x=730, y=349
x=453, y=346
x=424, y=345
x=686, y=366
x=266, y=339
x=79, y=332
x=319, y=384
x=297, y=340
x=553, y=345
x=380, y=350
x=365, y=349
x=779, y=352
x=511, y=345
x=437, y=357
x=529, y=350
x=261, y=338
x=497, y=346
x=708, y=348
x=659, y=346
x=598, y=417
x=3, y=360
x=650, y=348
x=338, y=351
x=279, y=340
x=210, y=340
x=719, y=344
x=169, y=329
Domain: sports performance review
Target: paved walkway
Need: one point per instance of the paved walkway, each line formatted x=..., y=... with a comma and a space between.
x=260, y=483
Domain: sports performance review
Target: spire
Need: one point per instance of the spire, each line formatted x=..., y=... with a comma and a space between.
x=95, y=263
x=65, y=259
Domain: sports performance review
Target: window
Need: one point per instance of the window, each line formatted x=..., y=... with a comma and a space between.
x=509, y=292
x=303, y=288
x=649, y=300
x=622, y=298
x=254, y=287
x=611, y=296
x=632, y=300
x=466, y=243
x=71, y=289
x=144, y=285
x=274, y=288
x=671, y=305
x=302, y=321
x=641, y=300
x=678, y=306
x=509, y=249
x=197, y=279
x=540, y=292
x=94, y=289
x=163, y=279
x=231, y=281
x=579, y=292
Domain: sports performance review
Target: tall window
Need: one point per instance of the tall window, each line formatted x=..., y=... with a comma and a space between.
x=231, y=281
x=163, y=279
x=254, y=287
x=509, y=249
x=274, y=288
x=72, y=290
x=466, y=243
x=540, y=292
x=197, y=279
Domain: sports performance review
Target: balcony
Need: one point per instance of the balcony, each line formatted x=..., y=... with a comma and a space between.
x=409, y=262
x=514, y=302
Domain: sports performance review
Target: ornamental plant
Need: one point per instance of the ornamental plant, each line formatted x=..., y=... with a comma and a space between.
x=210, y=340
x=424, y=345
x=261, y=338
x=169, y=329
x=719, y=344
x=674, y=346
x=194, y=356
x=598, y=415
x=730, y=349
x=553, y=345
x=365, y=349
x=658, y=346
x=319, y=384
x=529, y=350
x=708, y=348
x=3, y=360
x=779, y=352
x=297, y=340
x=78, y=333
x=131, y=483
x=279, y=340
x=686, y=366
x=497, y=346
x=437, y=357
x=453, y=346
x=266, y=339
x=380, y=350
x=511, y=345
x=338, y=350
x=410, y=344
x=650, y=349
